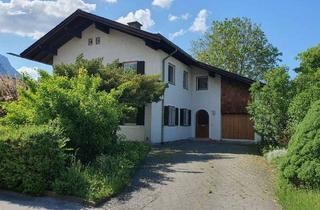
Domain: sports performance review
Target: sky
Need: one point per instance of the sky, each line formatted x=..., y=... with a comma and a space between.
x=290, y=25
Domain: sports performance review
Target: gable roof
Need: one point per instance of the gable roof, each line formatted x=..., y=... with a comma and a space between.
x=46, y=47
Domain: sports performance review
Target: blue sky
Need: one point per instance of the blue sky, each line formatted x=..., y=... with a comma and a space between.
x=290, y=25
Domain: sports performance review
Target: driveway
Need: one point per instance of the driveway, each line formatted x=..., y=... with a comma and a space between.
x=186, y=175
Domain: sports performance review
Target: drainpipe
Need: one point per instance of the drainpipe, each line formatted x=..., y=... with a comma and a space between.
x=162, y=101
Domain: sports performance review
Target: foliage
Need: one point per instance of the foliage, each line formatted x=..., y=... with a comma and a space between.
x=31, y=158
x=307, y=86
x=239, y=46
x=106, y=176
x=269, y=106
x=88, y=116
x=301, y=167
x=128, y=87
x=292, y=198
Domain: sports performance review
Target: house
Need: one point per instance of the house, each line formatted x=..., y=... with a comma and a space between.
x=201, y=101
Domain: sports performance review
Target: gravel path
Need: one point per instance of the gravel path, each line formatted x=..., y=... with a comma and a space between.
x=200, y=175
x=186, y=175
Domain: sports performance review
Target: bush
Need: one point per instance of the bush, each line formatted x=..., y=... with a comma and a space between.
x=88, y=116
x=31, y=158
x=301, y=167
x=106, y=176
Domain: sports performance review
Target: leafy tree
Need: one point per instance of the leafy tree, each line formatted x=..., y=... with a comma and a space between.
x=306, y=86
x=301, y=166
x=237, y=45
x=269, y=106
x=128, y=87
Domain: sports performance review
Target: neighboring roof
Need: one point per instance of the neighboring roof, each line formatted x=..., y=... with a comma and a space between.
x=46, y=47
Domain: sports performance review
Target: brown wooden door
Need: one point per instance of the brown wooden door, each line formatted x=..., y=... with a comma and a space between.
x=237, y=126
x=202, y=124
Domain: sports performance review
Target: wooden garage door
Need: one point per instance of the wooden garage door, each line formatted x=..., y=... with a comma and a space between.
x=237, y=126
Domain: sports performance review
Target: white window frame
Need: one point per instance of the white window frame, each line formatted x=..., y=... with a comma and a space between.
x=90, y=42
x=174, y=74
x=185, y=120
x=172, y=116
x=186, y=80
x=98, y=40
x=202, y=77
x=130, y=63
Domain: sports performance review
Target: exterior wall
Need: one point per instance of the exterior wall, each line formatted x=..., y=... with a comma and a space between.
x=118, y=45
x=234, y=97
x=179, y=97
x=208, y=100
x=133, y=133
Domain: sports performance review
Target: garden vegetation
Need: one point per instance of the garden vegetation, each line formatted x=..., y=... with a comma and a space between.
x=287, y=114
x=61, y=133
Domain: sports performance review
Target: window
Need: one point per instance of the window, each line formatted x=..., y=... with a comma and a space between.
x=171, y=74
x=90, y=41
x=185, y=117
x=171, y=116
x=185, y=80
x=97, y=40
x=202, y=83
x=130, y=66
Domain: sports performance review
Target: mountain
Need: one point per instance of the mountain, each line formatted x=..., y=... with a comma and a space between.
x=6, y=69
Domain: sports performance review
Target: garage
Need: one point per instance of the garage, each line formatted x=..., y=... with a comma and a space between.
x=237, y=126
x=235, y=121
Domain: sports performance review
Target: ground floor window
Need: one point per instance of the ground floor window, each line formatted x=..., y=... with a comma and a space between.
x=171, y=116
x=185, y=117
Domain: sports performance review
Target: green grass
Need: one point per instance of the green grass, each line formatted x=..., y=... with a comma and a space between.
x=293, y=198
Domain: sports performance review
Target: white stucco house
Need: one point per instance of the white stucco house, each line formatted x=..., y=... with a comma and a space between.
x=201, y=101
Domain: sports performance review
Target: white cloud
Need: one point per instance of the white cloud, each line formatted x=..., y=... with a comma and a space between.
x=111, y=1
x=185, y=16
x=33, y=18
x=174, y=35
x=162, y=3
x=200, y=22
x=172, y=17
x=32, y=72
x=182, y=17
x=142, y=16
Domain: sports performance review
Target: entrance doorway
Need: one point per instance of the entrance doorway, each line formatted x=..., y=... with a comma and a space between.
x=202, y=124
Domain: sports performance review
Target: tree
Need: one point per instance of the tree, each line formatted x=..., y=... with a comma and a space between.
x=239, y=46
x=269, y=106
x=128, y=87
x=306, y=86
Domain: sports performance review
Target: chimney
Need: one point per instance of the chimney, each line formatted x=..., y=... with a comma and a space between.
x=135, y=24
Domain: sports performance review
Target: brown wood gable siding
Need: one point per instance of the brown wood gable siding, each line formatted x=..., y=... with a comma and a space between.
x=234, y=96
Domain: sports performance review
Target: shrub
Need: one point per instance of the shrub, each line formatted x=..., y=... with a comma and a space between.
x=31, y=158
x=301, y=167
x=104, y=177
x=88, y=116
x=275, y=154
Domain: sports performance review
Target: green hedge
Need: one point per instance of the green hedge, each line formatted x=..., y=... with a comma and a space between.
x=31, y=158
x=301, y=167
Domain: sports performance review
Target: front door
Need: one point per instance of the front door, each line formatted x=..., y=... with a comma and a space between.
x=202, y=124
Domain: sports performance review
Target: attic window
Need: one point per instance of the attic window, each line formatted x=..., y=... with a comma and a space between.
x=90, y=41
x=97, y=40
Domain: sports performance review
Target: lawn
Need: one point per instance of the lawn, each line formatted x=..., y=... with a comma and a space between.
x=292, y=198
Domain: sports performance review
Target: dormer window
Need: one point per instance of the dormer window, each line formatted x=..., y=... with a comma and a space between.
x=97, y=40
x=90, y=41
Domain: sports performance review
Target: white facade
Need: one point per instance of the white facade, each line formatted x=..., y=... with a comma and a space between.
x=118, y=45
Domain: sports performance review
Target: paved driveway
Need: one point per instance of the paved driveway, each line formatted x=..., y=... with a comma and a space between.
x=187, y=175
